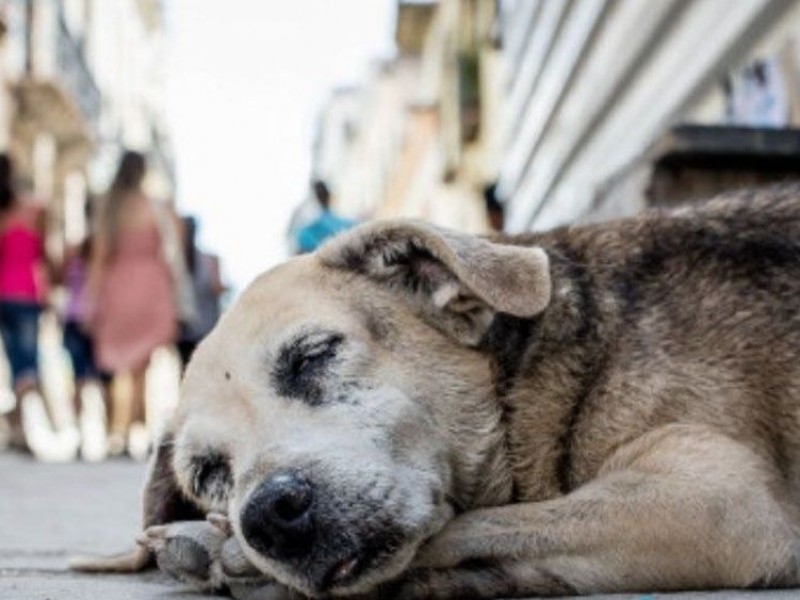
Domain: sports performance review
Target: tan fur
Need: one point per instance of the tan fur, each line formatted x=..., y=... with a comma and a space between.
x=600, y=409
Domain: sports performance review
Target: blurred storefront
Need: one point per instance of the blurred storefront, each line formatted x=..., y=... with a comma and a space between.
x=614, y=105
x=579, y=109
x=84, y=79
x=420, y=138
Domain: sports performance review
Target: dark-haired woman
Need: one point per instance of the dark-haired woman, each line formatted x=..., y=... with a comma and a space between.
x=23, y=291
x=133, y=291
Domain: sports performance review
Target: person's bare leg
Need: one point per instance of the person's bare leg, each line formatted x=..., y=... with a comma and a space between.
x=138, y=437
x=17, y=435
x=120, y=400
x=14, y=419
x=18, y=438
x=138, y=409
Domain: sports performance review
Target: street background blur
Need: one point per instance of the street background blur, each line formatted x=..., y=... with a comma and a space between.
x=276, y=124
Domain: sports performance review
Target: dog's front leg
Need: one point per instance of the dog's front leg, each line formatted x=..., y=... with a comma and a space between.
x=680, y=508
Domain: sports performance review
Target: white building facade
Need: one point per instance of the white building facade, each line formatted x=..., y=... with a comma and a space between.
x=83, y=80
x=592, y=84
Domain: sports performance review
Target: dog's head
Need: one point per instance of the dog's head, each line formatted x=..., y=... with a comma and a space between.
x=344, y=408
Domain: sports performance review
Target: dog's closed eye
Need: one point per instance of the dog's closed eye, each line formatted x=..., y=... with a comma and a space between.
x=211, y=478
x=302, y=363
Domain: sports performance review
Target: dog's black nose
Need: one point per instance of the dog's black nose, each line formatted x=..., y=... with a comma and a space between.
x=276, y=520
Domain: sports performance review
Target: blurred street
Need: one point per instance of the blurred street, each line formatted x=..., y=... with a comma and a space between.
x=51, y=512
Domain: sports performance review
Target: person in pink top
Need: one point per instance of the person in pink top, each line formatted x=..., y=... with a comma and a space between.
x=132, y=288
x=23, y=291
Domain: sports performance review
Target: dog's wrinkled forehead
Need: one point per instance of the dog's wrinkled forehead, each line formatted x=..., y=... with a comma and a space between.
x=297, y=291
x=290, y=304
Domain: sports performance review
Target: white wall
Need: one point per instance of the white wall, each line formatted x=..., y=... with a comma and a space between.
x=593, y=82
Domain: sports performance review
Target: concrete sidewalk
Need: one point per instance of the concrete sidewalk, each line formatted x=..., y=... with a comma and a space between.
x=50, y=512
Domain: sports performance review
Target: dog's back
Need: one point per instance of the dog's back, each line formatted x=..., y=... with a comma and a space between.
x=687, y=316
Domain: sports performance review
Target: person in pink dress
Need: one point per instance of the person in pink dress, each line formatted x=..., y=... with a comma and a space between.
x=131, y=286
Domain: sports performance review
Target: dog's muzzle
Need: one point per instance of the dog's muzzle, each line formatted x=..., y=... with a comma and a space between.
x=295, y=520
x=277, y=520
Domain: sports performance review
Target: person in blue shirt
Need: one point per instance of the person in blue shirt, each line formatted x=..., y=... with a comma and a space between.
x=326, y=225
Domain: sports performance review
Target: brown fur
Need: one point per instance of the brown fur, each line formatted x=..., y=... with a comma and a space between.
x=613, y=407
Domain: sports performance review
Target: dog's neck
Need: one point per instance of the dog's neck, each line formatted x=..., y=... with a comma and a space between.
x=478, y=457
x=544, y=368
x=481, y=475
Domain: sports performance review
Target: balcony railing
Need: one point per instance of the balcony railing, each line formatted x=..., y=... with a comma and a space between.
x=73, y=70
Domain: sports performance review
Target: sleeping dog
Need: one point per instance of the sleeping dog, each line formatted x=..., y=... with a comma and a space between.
x=416, y=413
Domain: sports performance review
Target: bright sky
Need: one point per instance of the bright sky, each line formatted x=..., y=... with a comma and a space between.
x=246, y=81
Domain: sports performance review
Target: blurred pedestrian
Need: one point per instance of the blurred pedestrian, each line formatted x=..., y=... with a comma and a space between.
x=326, y=225
x=207, y=286
x=495, y=213
x=90, y=389
x=23, y=293
x=133, y=288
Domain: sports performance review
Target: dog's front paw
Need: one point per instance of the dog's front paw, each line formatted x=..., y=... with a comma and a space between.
x=189, y=551
x=206, y=556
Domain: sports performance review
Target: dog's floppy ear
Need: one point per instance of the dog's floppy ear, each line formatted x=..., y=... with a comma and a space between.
x=163, y=502
x=460, y=281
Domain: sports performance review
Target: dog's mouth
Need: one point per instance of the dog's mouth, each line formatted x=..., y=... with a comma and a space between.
x=344, y=572
x=371, y=556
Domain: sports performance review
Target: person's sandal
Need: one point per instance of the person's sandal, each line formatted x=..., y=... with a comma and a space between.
x=44, y=443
